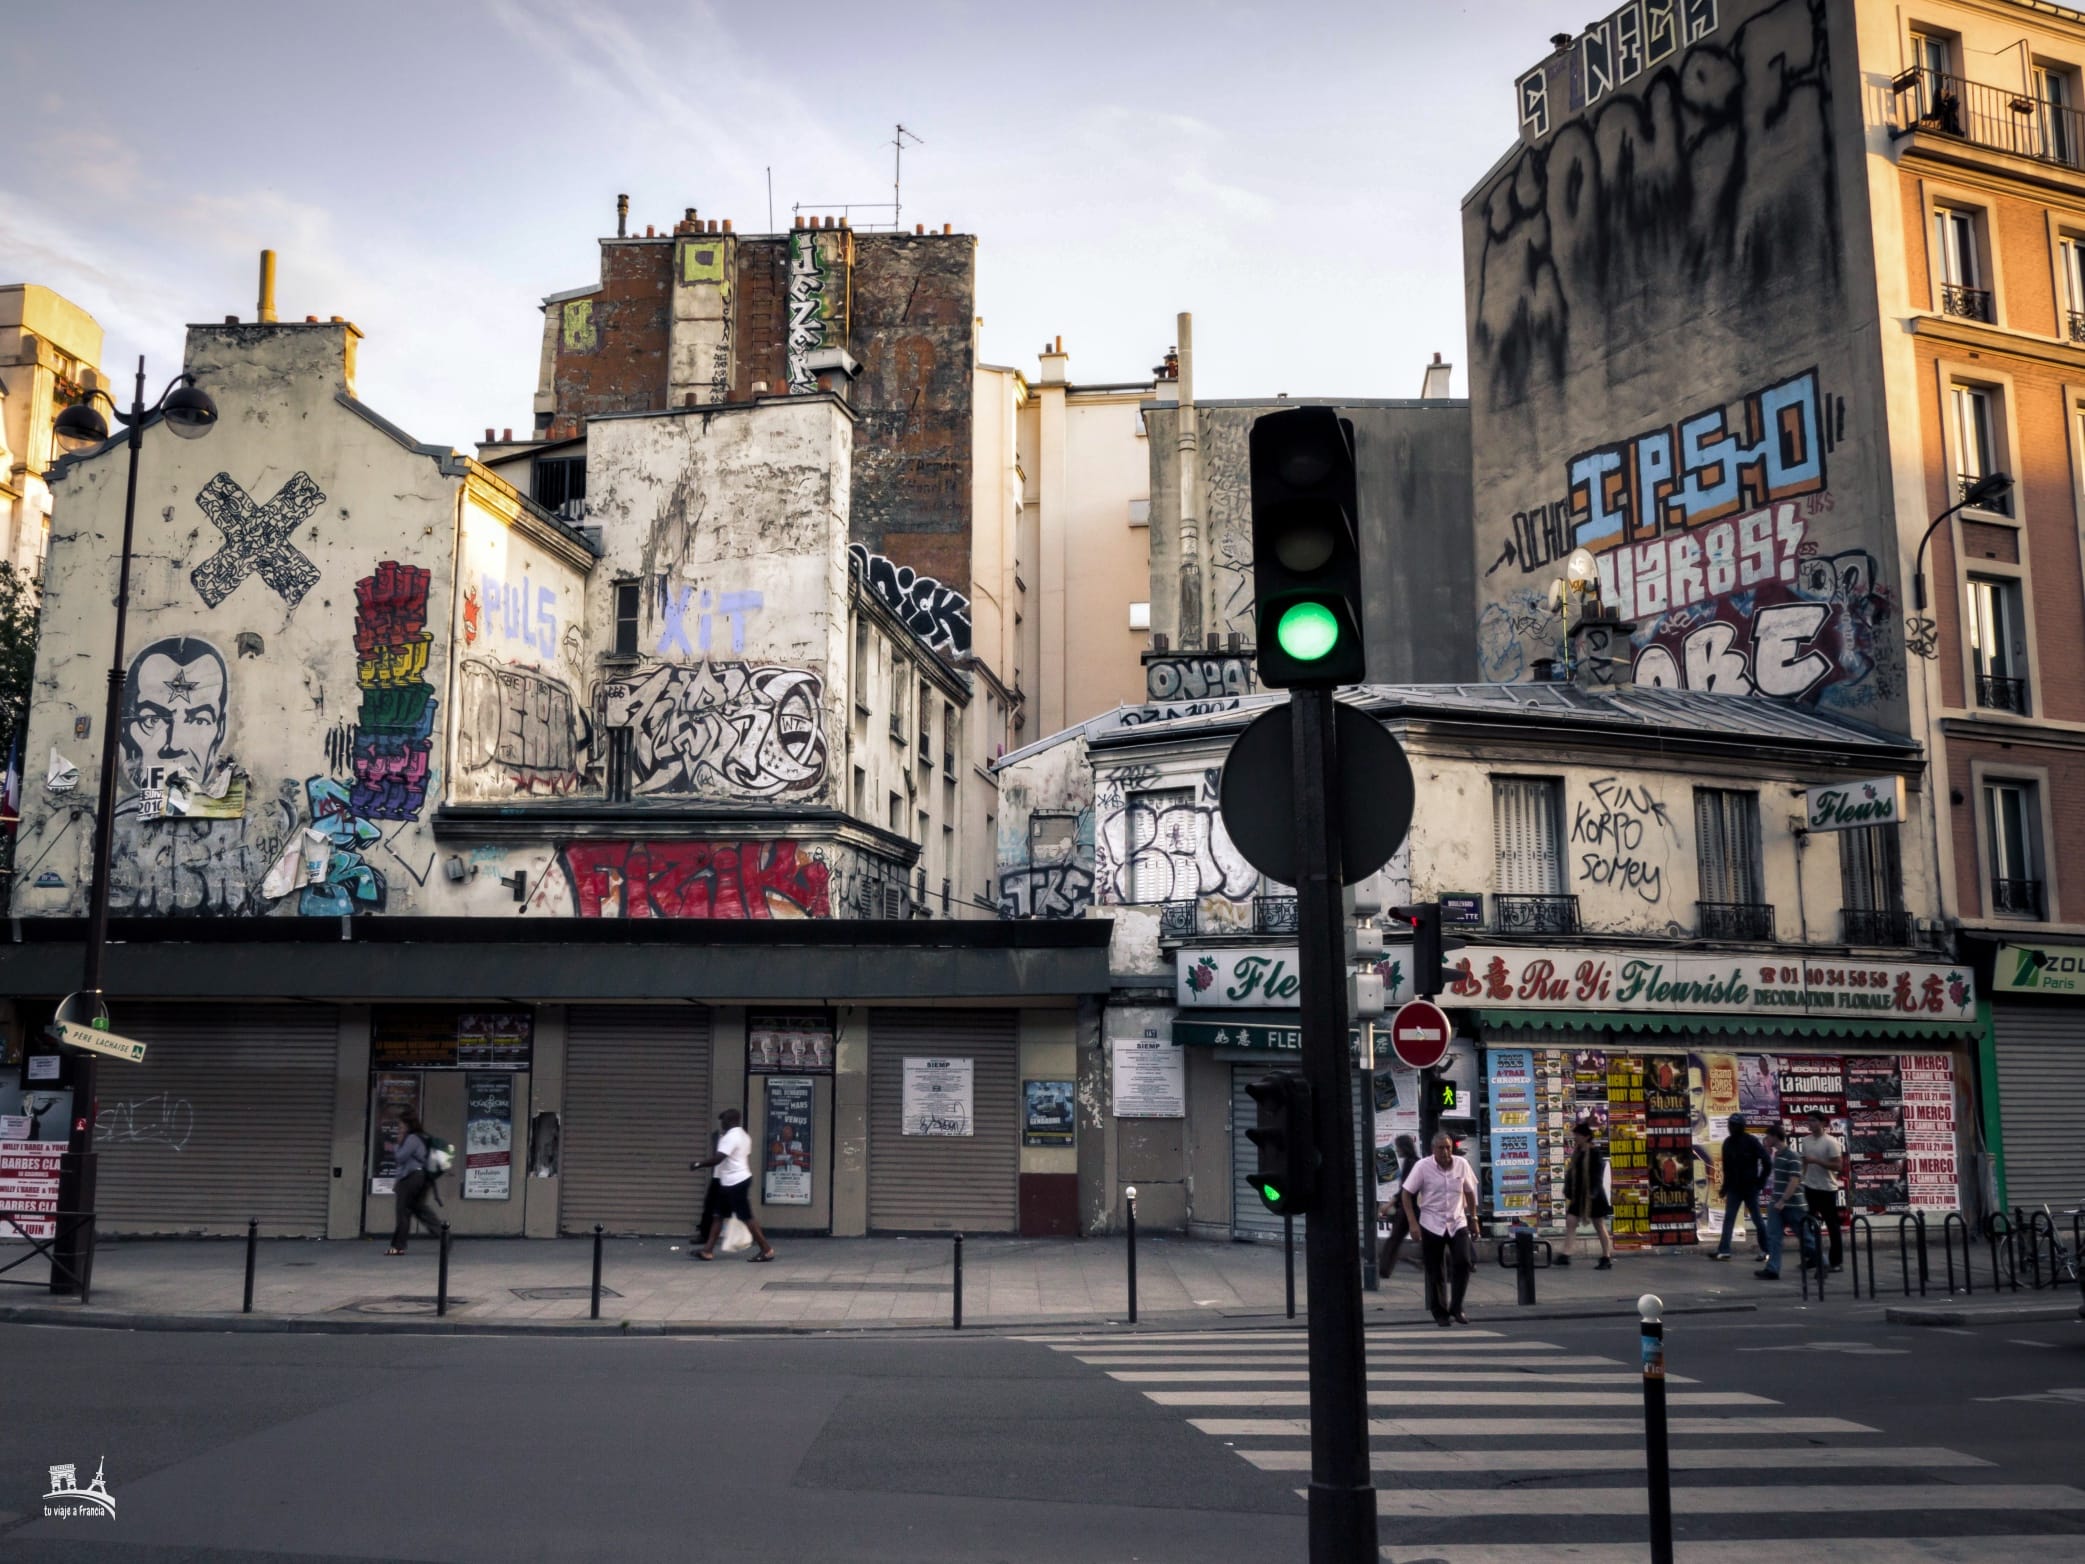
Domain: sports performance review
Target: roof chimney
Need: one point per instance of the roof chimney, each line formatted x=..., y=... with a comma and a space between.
x=265, y=311
x=488, y=437
x=727, y=225
x=507, y=435
x=1560, y=42
x=622, y=216
x=948, y=228
x=1434, y=386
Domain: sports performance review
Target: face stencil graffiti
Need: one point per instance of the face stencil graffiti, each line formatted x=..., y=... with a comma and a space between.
x=174, y=708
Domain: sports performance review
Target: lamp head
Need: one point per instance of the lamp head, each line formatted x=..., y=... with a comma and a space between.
x=189, y=411
x=80, y=426
x=1581, y=569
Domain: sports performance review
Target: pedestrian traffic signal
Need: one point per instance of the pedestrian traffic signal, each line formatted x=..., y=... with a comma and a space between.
x=1287, y=1176
x=1306, y=549
x=1430, y=971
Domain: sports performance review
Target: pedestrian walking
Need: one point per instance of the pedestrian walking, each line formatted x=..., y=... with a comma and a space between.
x=1440, y=1204
x=1585, y=1196
x=1400, y=1228
x=1788, y=1211
x=1745, y=1170
x=729, y=1188
x=1824, y=1173
x=415, y=1182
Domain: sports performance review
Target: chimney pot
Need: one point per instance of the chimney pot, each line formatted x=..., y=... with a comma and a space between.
x=231, y=320
x=727, y=225
x=1060, y=342
x=507, y=434
x=759, y=388
x=265, y=310
x=622, y=215
x=334, y=318
x=488, y=437
x=1560, y=42
x=828, y=219
x=919, y=228
x=691, y=214
x=311, y=320
x=799, y=219
x=948, y=228
x=712, y=225
x=648, y=232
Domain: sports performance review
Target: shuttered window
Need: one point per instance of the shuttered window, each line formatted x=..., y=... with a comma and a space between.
x=1155, y=843
x=1726, y=834
x=1527, y=828
x=1871, y=875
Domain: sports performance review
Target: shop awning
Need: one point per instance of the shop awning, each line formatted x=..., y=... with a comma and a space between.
x=1781, y=1026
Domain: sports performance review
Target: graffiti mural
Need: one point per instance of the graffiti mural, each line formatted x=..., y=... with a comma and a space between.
x=197, y=868
x=256, y=540
x=518, y=728
x=732, y=729
x=393, y=735
x=176, y=704
x=818, y=264
x=772, y=879
x=517, y=611
x=678, y=606
x=1150, y=851
x=347, y=884
x=1620, y=836
x=1054, y=890
x=1197, y=677
x=939, y=615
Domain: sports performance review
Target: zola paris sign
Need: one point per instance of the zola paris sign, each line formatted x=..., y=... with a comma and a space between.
x=1847, y=806
x=94, y=1040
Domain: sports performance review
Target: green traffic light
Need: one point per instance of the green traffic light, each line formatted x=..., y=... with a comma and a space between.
x=1269, y=1193
x=1307, y=631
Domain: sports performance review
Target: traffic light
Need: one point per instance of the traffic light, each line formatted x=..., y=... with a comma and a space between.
x=1306, y=549
x=1287, y=1177
x=1430, y=972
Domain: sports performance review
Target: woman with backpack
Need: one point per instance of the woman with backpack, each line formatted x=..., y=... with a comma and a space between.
x=418, y=1159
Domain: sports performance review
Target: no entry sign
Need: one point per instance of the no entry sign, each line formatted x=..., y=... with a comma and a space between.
x=1419, y=1033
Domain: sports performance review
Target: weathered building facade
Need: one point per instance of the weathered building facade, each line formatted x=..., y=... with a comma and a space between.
x=50, y=357
x=1766, y=287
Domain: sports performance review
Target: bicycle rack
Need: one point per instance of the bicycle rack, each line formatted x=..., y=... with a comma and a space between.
x=2040, y=1223
x=1855, y=1229
x=1997, y=1226
x=1954, y=1220
x=1907, y=1224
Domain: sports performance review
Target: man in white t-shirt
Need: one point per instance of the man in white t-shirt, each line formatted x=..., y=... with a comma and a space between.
x=730, y=1188
x=1440, y=1204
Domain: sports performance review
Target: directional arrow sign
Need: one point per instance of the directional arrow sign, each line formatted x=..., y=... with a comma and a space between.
x=1419, y=1034
x=96, y=1041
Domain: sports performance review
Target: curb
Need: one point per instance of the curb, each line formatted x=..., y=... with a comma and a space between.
x=1997, y=1314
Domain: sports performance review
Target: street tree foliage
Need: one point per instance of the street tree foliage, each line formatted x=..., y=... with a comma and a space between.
x=18, y=624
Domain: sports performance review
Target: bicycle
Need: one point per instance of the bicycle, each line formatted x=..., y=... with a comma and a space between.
x=2025, y=1247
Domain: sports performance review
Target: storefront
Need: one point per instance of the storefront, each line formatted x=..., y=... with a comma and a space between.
x=467, y=1071
x=2038, y=1036
x=945, y=1116
x=1657, y=1051
x=636, y=1113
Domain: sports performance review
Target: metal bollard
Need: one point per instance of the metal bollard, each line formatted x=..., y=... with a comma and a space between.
x=596, y=1314
x=958, y=1280
x=1130, y=1194
x=253, y=1233
x=1524, y=1263
x=1288, y=1257
x=1904, y=1229
x=1656, y=1451
x=441, y=1289
x=1925, y=1270
x=1949, y=1223
x=1856, y=1230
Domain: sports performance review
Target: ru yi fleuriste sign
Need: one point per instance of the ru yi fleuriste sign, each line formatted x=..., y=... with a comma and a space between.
x=1259, y=978
x=1847, y=806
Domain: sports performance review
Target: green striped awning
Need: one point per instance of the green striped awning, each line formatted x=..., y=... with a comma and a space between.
x=1780, y=1025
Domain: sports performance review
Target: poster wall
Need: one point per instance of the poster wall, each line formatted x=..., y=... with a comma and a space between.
x=785, y=1178
x=791, y=1043
x=488, y=1137
x=29, y=1182
x=396, y=1092
x=936, y=1097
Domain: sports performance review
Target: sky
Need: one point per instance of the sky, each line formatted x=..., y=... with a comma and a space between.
x=1292, y=173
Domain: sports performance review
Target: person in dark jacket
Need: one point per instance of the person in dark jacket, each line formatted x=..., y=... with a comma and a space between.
x=1745, y=1169
x=1400, y=1229
x=414, y=1183
x=1585, y=1196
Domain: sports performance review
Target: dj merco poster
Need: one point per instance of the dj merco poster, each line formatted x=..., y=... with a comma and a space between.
x=1669, y=1148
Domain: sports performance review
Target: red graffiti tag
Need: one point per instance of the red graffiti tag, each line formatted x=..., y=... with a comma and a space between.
x=695, y=880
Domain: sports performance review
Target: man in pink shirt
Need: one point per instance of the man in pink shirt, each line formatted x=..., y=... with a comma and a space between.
x=1440, y=1204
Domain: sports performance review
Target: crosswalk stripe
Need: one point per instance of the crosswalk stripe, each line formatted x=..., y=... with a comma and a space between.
x=1841, y=1550
x=1478, y=1462
x=1398, y=1376
x=1472, y=1398
x=1216, y=1341
x=1523, y=1427
x=1711, y=1499
x=1375, y=1360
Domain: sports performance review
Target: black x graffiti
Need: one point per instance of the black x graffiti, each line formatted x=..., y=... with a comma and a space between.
x=256, y=539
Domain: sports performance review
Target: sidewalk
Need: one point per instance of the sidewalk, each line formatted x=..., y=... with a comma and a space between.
x=840, y=1284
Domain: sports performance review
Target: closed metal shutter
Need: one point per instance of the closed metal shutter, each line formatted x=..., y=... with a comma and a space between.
x=230, y=1116
x=2041, y=1103
x=945, y=1183
x=1250, y=1217
x=636, y=1114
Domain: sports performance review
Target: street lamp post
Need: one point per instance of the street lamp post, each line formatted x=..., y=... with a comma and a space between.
x=188, y=411
x=1985, y=491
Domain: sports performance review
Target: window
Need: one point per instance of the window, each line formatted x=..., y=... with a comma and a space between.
x=2070, y=261
x=2056, y=113
x=861, y=794
x=1527, y=830
x=558, y=481
x=1871, y=886
x=626, y=603
x=861, y=663
x=921, y=838
x=2012, y=817
x=619, y=749
x=897, y=815
x=926, y=723
x=1726, y=841
x=1976, y=410
x=1998, y=643
x=1155, y=822
x=900, y=687
x=1939, y=93
x=1957, y=264
x=948, y=737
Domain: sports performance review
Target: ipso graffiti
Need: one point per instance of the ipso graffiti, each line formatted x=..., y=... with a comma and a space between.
x=518, y=727
x=256, y=540
x=733, y=729
x=939, y=615
x=1197, y=678
x=393, y=732
x=774, y=879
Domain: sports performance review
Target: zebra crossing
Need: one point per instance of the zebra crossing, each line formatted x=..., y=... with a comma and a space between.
x=1492, y=1449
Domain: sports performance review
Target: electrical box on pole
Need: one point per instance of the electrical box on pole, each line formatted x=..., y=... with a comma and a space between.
x=1306, y=549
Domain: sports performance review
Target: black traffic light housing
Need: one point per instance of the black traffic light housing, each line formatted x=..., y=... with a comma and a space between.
x=1287, y=1177
x=1430, y=971
x=1306, y=549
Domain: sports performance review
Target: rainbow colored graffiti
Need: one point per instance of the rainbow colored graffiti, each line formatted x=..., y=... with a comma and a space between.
x=393, y=731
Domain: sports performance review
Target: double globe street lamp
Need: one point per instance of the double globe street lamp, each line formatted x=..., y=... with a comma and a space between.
x=189, y=412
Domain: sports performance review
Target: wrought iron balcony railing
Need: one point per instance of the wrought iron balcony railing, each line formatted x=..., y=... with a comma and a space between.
x=1535, y=914
x=1969, y=303
x=1748, y=920
x=1996, y=692
x=1274, y=915
x=1994, y=117
x=1997, y=504
x=1874, y=926
x=2016, y=898
x=1178, y=919
x=2075, y=320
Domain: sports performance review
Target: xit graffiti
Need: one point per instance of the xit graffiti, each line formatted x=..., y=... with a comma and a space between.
x=1710, y=466
x=393, y=730
x=696, y=880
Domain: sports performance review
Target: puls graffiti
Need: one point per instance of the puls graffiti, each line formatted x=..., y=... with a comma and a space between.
x=393, y=733
x=1156, y=852
x=518, y=728
x=733, y=729
x=939, y=615
x=1611, y=835
x=521, y=612
x=1197, y=678
x=1056, y=890
x=696, y=880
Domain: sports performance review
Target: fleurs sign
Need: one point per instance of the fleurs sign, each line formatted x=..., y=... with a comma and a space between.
x=1847, y=806
x=1233, y=979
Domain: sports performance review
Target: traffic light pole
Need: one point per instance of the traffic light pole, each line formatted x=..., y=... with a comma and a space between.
x=1342, y=1491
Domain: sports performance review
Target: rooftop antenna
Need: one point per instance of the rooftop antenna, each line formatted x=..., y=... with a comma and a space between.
x=897, y=169
x=770, y=198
